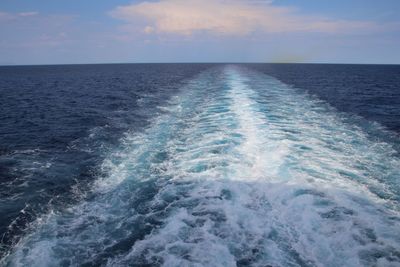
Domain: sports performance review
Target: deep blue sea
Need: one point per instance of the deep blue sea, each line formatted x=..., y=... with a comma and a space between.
x=200, y=165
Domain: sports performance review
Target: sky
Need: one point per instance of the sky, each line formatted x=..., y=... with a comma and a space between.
x=126, y=31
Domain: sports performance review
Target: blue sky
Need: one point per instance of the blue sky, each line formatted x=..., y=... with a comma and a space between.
x=109, y=31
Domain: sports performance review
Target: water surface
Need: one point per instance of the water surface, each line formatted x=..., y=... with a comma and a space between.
x=197, y=165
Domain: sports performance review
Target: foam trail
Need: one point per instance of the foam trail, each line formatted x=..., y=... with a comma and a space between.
x=240, y=170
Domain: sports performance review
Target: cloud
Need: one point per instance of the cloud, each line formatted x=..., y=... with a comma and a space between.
x=28, y=14
x=13, y=16
x=34, y=30
x=234, y=17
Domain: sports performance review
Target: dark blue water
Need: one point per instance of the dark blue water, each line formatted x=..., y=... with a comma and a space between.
x=135, y=164
x=370, y=91
x=57, y=123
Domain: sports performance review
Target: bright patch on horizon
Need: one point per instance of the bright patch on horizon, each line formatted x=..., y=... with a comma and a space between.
x=237, y=17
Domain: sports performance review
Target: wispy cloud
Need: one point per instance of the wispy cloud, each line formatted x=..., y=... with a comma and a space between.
x=28, y=14
x=234, y=17
x=34, y=30
x=13, y=16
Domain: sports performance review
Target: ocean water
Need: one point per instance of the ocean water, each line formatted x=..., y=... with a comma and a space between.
x=200, y=165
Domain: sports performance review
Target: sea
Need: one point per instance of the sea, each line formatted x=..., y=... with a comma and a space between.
x=200, y=165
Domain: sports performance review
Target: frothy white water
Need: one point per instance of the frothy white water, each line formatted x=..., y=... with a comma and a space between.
x=240, y=170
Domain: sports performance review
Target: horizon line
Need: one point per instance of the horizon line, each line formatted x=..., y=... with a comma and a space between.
x=194, y=62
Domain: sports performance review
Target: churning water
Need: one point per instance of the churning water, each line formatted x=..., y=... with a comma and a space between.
x=232, y=168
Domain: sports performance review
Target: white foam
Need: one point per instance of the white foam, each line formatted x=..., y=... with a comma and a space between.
x=264, y=203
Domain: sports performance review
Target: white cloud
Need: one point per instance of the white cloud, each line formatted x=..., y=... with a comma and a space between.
x=229, y=17
x=28, y=14
x=13, y=16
